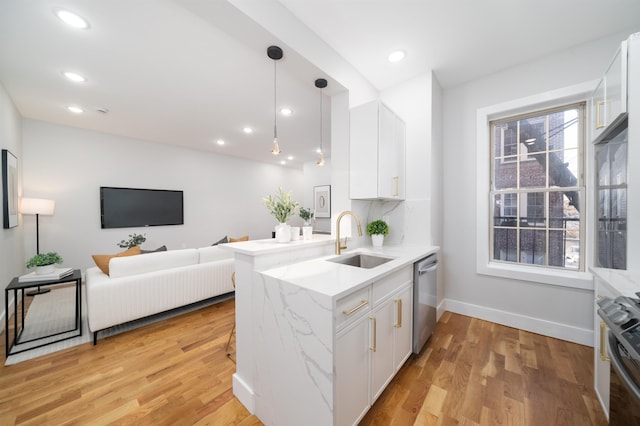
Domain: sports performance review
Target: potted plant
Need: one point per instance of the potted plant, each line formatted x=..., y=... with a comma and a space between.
x=134, y=240
x=282, y=207
x=378, y=229
x=307, y=229
x=44, y=262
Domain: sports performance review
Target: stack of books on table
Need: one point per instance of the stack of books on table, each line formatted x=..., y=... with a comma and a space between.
x=59, y=273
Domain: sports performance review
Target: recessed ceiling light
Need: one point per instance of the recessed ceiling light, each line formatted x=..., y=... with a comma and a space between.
x=396, y=56
x=220, y=142
x=286, y=111
x=76, y=78
x=318, y=151
x=248, y=130
x=283, y=162
x=290, y=157
x=75, y=109
x=71, y=19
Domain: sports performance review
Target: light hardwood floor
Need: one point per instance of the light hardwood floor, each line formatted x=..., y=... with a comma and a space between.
x=176, y=373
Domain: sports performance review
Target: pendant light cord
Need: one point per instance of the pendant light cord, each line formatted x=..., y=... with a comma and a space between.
x=321, y=153
x=275, y=94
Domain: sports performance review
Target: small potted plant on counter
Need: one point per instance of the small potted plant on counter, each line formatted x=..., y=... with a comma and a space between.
x=307, y=229
x=44, y=262
x=378, y=229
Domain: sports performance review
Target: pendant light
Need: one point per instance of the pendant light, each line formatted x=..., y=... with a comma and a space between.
x=321, y=83
x=275, y=53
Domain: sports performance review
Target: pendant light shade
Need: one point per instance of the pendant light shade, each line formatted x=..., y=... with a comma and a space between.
x=321, y=83
x=275, y=53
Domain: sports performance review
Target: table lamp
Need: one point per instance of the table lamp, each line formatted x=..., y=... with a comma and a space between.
x=37, y=206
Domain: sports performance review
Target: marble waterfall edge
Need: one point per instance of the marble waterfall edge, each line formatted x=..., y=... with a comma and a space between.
x=293, y=377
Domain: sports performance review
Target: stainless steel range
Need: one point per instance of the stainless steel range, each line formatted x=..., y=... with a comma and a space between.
x=622, y=316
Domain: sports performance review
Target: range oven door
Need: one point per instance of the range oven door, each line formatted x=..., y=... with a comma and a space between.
x=624, y=396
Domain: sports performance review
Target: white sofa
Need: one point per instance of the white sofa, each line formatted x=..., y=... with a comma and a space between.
x=147, y=284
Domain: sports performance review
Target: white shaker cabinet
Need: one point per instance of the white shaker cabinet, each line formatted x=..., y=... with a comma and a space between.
x=372, y=348
x=403, y=327
x=601, y=359
x=609, y=99
x=352, y=372
x=376, y=153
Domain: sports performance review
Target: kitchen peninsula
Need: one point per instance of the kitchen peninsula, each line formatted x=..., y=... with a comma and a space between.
x=312, y=333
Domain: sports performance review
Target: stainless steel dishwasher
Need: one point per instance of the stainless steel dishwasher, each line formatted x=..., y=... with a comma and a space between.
x=425, y=285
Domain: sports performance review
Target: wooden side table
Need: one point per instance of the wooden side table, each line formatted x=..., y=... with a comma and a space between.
x=16, y=285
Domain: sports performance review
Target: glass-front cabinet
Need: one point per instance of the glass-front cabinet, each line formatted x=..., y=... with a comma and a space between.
x=611, y=196
x=609, y=99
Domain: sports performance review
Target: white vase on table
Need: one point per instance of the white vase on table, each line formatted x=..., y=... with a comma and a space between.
x=283, y=233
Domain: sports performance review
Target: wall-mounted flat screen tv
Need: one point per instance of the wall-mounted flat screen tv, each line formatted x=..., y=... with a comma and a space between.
x=132, y=207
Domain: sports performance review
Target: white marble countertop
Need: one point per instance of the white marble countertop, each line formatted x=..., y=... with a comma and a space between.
x=623, y=282
x=336, y=280
x=269, y=246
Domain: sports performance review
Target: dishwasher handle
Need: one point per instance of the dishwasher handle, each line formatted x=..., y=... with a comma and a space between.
x=432, y=267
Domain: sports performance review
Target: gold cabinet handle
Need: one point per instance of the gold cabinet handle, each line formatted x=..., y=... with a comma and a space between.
x=599, y=124
x=399, y=314
x=351, y=311
x=395, y=178
x=603, y=342
x=375, y=332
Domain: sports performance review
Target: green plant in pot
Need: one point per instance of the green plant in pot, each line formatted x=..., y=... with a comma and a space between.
x=306, y=215
x=378, y=229
x=44, y=262
x=307, y=229
x=134, y=240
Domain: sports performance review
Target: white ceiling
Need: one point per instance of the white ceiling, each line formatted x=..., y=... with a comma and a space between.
x=189, y=73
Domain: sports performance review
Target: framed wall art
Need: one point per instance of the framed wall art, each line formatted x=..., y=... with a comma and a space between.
x=322, y=201
x=9, y=190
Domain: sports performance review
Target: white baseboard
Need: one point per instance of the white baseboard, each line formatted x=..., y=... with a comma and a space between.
x=556, y=330
x=244, y=394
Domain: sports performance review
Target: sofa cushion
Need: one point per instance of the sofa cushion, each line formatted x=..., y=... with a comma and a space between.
x=161, y=248
x=122, y=267
x=236, y=240
x=213, y=253
x=103, y=260
x=221, y=241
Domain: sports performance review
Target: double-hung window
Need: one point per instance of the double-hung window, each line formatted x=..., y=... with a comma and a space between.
x=537, y=191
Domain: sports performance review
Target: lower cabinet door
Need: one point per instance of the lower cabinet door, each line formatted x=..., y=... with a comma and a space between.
x=352, y=372
x=382, y=334
x=403, y=323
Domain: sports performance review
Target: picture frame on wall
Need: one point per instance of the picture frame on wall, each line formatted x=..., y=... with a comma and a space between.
x=322, y=201
x=9, y=189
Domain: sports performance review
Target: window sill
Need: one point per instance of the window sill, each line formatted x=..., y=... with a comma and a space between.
x=557, y=277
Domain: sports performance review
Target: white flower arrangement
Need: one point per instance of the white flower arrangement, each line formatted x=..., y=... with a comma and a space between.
x=281, y=206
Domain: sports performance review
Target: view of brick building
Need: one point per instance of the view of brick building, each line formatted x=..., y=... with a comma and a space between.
x=536, y=204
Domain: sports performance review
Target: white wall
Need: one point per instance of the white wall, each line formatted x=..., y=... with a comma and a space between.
x=222, y=195
x=562, y=312
x=11, y=240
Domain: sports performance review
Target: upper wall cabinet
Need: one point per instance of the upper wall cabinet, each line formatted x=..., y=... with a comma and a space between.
x=609, y=100
x=376, y=153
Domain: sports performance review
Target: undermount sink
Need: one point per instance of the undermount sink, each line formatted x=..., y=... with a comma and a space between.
x=361, y=260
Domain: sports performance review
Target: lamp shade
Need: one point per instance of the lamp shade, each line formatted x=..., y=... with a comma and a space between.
x=38, y=206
